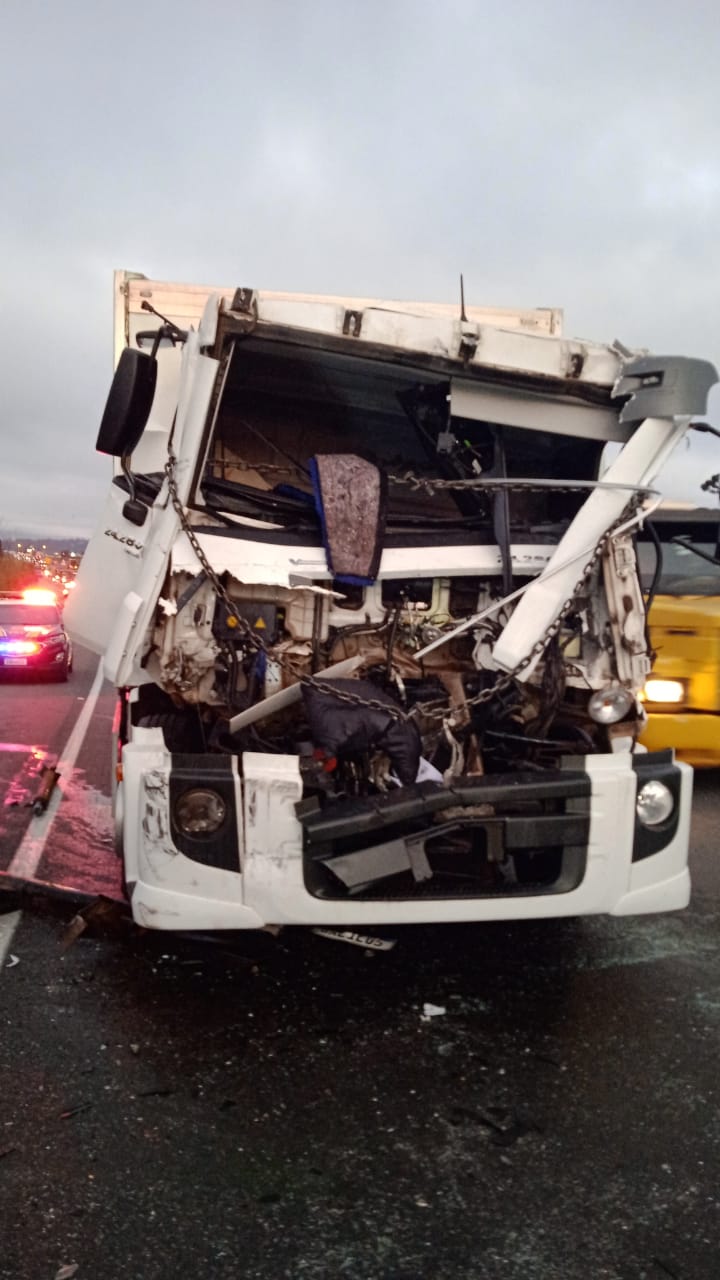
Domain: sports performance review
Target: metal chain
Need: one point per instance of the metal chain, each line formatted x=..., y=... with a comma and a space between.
x=504, y=682
x=428, y=485
x=429, y=710
x=262, y=468
x=321, y=686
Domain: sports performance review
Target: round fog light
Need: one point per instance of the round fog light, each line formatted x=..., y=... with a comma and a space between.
x=200, y=812
x=607, y=706
x=655, y=803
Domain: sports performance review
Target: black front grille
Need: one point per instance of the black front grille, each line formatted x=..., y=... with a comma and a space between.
x=505, y=835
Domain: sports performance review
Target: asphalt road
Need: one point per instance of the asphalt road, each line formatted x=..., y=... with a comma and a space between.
x=279, y=1107
x=38, y=722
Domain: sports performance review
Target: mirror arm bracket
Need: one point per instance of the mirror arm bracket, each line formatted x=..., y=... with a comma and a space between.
x=133, y=510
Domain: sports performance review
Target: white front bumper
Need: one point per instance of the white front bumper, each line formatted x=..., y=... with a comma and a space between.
x=171, y=891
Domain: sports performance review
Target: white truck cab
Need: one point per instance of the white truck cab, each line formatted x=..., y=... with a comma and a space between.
x=374, y=619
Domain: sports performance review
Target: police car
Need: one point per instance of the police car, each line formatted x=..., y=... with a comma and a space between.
x=32, y=635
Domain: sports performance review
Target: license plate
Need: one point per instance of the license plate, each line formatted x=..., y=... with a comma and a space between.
x=16, y=662
x=367, y=940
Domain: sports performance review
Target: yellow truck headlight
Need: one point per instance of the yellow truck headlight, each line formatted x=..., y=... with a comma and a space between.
x=665, y=691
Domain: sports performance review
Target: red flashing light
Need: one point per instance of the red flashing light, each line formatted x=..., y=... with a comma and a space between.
x=39, y=595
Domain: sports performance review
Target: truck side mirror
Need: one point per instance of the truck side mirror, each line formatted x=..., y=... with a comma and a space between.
x=128, y=404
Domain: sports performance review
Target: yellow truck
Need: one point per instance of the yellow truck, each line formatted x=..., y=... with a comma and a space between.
x=682, y=692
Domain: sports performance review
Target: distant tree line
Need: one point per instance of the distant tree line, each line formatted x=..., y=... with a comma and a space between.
x=15, y=574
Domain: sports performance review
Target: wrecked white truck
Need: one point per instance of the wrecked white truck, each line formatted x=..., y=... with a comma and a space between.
x=374, y=619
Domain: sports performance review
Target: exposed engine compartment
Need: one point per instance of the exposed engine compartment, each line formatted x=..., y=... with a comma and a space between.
x=403, y=653
x=215, y=658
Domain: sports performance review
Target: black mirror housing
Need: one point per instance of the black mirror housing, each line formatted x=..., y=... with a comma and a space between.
x=128, y=404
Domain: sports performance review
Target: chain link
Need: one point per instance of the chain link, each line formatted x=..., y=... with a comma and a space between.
x=430, y=485
x=262, y=468
x=505, y=681
x=321, y=686
x=429, y=710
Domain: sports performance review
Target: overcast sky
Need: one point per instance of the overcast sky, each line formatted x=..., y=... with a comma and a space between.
x=557, y=154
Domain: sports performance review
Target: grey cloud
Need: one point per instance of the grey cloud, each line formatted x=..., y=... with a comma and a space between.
x=554, y=157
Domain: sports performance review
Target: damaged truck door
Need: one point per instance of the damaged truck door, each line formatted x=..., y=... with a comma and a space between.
x=374, y=619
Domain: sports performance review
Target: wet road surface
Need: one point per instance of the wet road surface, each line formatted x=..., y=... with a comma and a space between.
x=287, y=1108
x=39, y=721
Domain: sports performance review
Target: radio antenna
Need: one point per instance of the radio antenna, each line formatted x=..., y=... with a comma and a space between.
x=463, y=316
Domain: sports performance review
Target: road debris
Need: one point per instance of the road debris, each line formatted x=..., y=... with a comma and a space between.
x=12, y=961
x=67, y=1271
x=75, y=1111
x=505, y=1127
x=109, y=915
x=432, y=1011
x=49, y=780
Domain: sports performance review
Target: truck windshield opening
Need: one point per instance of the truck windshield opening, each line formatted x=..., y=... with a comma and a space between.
x=281, y=405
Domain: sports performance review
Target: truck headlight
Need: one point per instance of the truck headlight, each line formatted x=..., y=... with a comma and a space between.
x=667, y=691
x=654, y=803
x=200, y=812
x=607, y=706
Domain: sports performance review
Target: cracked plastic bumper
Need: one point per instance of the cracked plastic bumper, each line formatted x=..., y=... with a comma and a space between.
x=170, y=890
